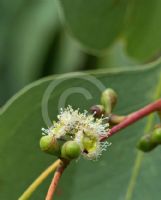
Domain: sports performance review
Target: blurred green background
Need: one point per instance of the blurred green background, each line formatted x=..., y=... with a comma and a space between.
x=34, y=43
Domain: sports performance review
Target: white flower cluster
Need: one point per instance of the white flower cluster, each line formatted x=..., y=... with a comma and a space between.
x=82, y=128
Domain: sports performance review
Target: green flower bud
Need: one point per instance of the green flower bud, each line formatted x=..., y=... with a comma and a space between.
x=109, y=100
x=156, y=135
x=145, y=144
x=98, y=110
x=70, y=150
x=50, y=145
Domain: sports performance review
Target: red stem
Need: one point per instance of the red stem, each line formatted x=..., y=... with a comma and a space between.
x=133, y=117
x=55, y=180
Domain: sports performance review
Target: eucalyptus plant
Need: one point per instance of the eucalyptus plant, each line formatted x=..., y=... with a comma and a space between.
x=100, y=127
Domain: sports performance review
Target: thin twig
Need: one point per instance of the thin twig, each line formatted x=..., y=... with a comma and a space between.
x=28, y=192
x=55, y=180
x=133, y=117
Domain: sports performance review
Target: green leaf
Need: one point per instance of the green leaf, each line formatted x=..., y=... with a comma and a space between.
x=143, y=29
x=95, y=23
x=116, y=57
x=21, y=121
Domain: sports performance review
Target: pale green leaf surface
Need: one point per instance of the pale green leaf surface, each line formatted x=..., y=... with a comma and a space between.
x=97, y=24
x=116, y=56
x=94, y=23
x=20, y=129
x=143, y=29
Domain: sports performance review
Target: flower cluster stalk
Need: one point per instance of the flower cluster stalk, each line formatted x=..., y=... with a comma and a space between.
x=56, y=179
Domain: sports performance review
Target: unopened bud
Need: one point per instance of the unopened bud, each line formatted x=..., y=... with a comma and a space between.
x=109, y=100
x=50, y=145
x=70, y=150
x=97, y=110
x=146, y=144
x=156, y=135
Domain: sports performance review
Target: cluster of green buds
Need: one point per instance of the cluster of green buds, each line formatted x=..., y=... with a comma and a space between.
x=75, y=134
x=57, y=147
x=149, y=141
x=108, y=101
